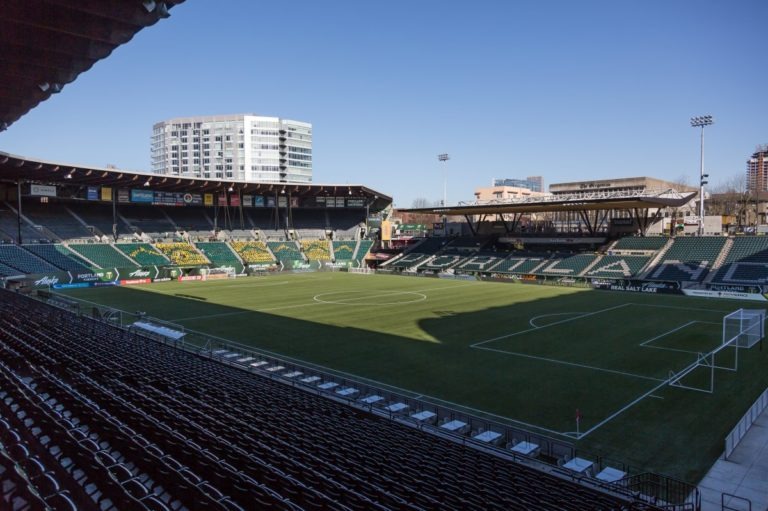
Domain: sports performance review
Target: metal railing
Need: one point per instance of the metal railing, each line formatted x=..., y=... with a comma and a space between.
x=737, y=433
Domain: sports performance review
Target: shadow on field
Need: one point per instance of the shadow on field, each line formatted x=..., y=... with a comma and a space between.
x=538, y=392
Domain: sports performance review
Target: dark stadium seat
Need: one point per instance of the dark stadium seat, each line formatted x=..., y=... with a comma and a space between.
x=148, y=426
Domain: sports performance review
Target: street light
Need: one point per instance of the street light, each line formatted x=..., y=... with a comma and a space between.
x=701, y=122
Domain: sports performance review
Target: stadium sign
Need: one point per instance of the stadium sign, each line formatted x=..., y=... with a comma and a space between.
x=46, y=281
x=735, y=288
x=42, y=190
x=337, y=264
x=638, y=286
x=732, y=295
x=139, y=273
x=131, y=282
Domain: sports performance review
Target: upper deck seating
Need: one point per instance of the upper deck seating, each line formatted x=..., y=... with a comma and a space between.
x=688, y=259
x=59, y=256
x=104, y=255
x=746, y=263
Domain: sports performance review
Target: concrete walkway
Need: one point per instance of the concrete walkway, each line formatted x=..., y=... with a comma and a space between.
x=744, y=474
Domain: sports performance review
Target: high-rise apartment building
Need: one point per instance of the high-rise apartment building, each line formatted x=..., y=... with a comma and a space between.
x=244, y=147
x=757, y=170
x=533, y=183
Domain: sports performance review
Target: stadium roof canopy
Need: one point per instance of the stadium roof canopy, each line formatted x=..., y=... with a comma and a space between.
x=593, y=207
x=46, y=44
x=595, y=201
x=15, y=169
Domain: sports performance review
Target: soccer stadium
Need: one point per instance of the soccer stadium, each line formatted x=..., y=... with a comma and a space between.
x=174, y=343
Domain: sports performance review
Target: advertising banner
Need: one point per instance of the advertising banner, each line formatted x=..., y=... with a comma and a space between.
x=282, y=201
x=168, y=199
x=247, y=201
x=42, y=190
x=234, y=199
x=132, y=282
x=145, y=196
x=123, y=195
x=192, y=199
x=208, y=199
x=294, y=202
x=258, y=201
x=222, y=199
x=355, y=202
x=637, y=286
x=93, y=193
x=270, y=202
x=106, y=193
x=731, y=295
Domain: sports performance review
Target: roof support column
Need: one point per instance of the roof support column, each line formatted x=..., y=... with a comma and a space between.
x=18, y=211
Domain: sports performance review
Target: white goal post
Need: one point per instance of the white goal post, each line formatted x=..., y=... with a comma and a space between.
x=744, y=327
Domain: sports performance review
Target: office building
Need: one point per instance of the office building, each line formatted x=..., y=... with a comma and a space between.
x=243, y=147
x=533, y=183
x=757, y=170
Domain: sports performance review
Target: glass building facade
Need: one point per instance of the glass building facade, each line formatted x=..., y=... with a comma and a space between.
x=242, y=147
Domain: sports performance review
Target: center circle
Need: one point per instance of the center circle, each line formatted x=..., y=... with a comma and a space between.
x=392, y=298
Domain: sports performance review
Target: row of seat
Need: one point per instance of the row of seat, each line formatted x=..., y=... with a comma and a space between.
x=164, y=427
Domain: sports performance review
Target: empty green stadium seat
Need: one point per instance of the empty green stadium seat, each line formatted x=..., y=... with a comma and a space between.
x=104, y=255
x=26, y=262
x=688, y=259
x=219, y=253
x=59, y=256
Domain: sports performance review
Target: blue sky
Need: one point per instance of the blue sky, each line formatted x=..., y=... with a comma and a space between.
x=564, y=89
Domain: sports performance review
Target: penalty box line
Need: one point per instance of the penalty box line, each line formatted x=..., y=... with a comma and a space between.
x=571, y=364
x=646, y=344
x=527, y=330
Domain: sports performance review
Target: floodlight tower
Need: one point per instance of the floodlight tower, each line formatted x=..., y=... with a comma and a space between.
x=443, y=157
x=701, y=122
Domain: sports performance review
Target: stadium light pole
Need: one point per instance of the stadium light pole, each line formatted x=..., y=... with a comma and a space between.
x=701, y=122
x=443, y=158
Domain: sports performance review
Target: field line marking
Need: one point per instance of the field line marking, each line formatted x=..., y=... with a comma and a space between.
x=531, y=321
x=572, y=364
x=658, y=306
x=646, y=344
x=405, y=392
x=313, y=302
x=478, y=344
x=623, y=409
x=667, y=333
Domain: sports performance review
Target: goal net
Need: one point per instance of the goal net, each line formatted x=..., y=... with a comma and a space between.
x=744, y=327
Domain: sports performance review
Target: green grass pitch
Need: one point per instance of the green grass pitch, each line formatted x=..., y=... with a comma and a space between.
x=521, y=354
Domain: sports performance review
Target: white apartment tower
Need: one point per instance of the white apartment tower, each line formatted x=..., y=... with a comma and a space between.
x=243, y=147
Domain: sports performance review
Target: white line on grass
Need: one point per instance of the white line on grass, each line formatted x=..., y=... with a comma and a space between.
x=572, y=364
x=646, y=344
x=623, y=409
x=680, y=308
x=531, y=322
x=406, y=392
x=312, y=303
x=506, y=336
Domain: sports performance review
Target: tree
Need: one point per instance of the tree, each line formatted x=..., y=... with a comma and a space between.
x=421, y=202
